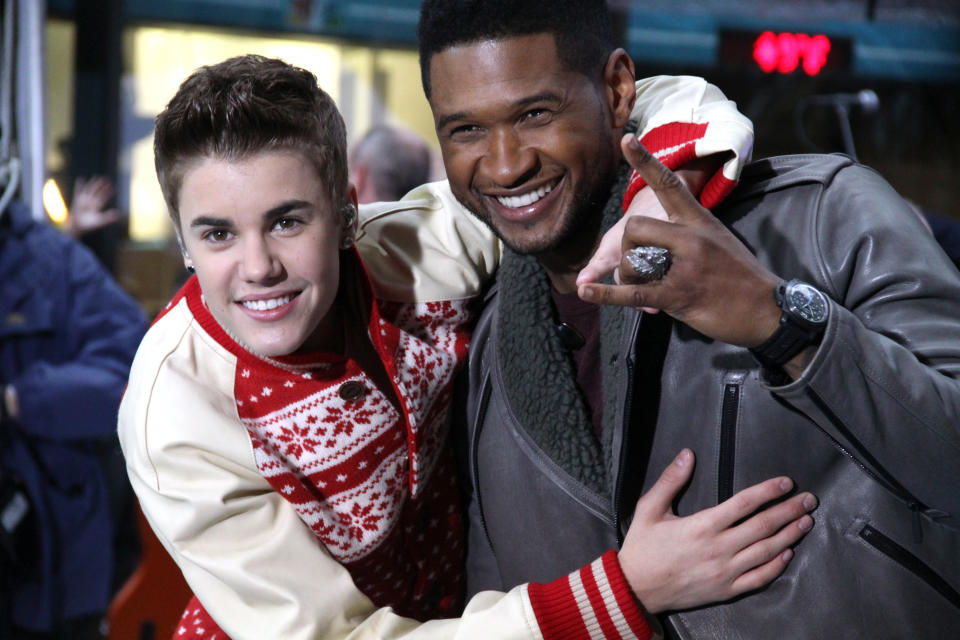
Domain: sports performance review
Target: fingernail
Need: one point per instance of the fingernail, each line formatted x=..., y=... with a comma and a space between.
x=633, y=142
x=586, y=293
x=786, y=484
x=805, y=523
x=809, y=502
x=786, y=555
x=683, y=458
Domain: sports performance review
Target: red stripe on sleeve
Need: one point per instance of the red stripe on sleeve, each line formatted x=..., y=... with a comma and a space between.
x=679, y=140
x=716, y=189
x=596, y=601
x=629, y=607
x=556, y=610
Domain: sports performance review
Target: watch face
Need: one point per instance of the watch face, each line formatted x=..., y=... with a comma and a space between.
x=807, y=302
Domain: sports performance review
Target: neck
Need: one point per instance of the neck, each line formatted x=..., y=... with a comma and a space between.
x=564, y=262
x=562, y=270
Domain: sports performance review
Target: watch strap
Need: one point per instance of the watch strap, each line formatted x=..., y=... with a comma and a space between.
x=786, y=342
x=790, y=338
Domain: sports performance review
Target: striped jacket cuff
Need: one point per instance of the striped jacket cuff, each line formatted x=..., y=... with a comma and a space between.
x=594, y=603
x=674, y=145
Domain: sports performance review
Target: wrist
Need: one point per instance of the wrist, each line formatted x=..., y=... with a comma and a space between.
x=767, y=316
x=644, y=595
x=578, y=600
x=804, y=312
x=696, y=173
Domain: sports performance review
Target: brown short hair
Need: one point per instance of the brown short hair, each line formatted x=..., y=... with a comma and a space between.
x=244, y=106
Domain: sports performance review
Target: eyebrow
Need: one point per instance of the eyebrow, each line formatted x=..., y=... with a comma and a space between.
x=545, y=96
x=284, y=208
x=270, y=214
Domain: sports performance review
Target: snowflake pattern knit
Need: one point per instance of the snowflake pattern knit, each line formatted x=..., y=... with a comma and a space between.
x=375, y=485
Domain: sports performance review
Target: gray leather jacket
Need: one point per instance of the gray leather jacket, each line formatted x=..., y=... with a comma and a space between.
x=872, y=427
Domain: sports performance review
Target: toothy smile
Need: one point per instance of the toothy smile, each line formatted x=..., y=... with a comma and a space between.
x=525, y=199
x=266, y=305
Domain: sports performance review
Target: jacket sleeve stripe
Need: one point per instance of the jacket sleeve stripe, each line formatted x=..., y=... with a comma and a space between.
x=598, y=604
x=627, y=604
x=674, y=145
x=556, y=610
x=610, y=602
x=593, y=603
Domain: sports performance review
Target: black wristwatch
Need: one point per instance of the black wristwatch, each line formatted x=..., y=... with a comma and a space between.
x=802, y=323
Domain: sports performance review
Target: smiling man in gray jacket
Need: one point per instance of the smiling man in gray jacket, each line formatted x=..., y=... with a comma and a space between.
x=810, y=327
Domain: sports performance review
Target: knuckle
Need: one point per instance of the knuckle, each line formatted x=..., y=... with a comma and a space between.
x=700, y=244
x=751, y=582
x=634, y=224
x=670, y=180
x=766, y=551
x=741, y=504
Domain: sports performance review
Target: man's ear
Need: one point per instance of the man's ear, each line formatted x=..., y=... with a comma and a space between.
x=619, y=81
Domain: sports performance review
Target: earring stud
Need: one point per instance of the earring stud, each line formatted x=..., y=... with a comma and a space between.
x=349, y=214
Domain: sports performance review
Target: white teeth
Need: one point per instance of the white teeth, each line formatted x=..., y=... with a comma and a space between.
x=264, y=305
x=526, y=199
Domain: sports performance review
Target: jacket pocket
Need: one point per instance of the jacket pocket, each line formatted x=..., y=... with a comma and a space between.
x=729, y=417
x=910, y=562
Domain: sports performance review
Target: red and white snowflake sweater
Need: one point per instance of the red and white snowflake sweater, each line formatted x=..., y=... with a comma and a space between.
x=299, y=502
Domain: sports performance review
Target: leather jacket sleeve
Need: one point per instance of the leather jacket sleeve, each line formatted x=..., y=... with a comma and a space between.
x=885, y=381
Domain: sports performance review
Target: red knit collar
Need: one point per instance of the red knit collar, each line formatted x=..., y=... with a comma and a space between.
x=194, y=295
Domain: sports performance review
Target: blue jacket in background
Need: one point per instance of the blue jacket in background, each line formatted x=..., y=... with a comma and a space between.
x=68, y=334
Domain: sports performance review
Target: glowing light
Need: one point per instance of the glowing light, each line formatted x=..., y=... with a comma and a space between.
x=816, y=55
x=765, y=51
x=785, y=52
x=53, y=202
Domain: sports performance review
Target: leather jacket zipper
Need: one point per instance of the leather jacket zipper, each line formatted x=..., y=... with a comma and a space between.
x=910, y=562
x=729, y=413
x=622, y=458
x=474, y=447
x=876, y=470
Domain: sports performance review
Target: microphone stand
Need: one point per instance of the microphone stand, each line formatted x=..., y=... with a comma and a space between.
x=843, y=115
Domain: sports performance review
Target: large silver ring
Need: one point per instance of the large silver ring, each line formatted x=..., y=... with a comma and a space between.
x=649, y=263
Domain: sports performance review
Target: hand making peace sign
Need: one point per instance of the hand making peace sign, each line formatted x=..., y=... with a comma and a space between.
x=714, y=284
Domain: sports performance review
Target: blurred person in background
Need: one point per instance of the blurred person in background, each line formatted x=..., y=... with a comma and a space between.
x=387, y=162
x=90, y=208
x=68, y=334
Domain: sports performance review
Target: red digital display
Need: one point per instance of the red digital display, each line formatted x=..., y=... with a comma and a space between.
x=785, y=53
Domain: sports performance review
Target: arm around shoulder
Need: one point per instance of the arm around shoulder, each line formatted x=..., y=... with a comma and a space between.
x=426, y=247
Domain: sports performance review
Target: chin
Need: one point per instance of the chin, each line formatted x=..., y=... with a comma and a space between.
x=534, y=241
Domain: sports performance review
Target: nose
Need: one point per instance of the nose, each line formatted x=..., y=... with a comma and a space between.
x=259, y=262
x=509, y=161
